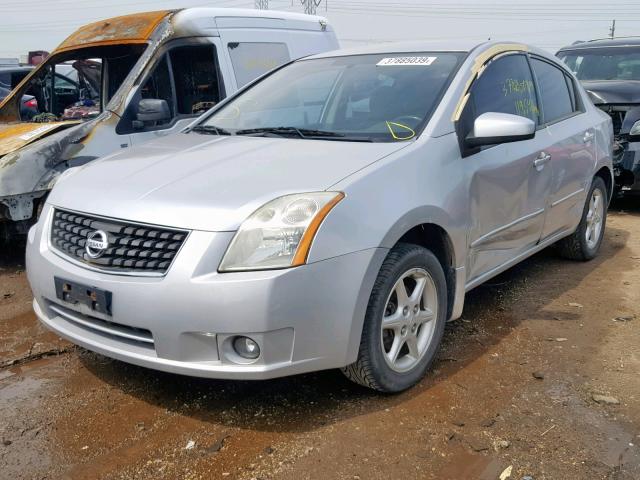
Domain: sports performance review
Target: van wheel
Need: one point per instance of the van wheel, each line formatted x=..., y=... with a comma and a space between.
x=585, y=242
x=404, y=323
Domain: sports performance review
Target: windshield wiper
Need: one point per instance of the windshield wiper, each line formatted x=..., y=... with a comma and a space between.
x=274, y=130
x=210, y=130
x=302, y=133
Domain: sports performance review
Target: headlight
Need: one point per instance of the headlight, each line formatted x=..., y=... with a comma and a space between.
x=279, y=234
x=635, y=129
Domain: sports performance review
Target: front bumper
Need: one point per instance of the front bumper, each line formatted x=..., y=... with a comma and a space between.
x=304, y=319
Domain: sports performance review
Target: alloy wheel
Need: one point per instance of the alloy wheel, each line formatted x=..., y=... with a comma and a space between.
x=595, y=216
x=408, y=322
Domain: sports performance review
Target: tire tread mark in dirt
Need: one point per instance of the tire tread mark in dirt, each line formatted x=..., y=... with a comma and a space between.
x=30, y=357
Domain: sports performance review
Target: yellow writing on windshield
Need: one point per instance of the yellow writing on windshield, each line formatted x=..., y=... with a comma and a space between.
x=405, y=133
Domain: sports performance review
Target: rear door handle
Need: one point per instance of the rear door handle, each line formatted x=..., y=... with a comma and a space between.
x=588, y=136
x=541, y=160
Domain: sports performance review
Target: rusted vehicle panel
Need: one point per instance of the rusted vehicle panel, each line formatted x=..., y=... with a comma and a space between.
x=17, y=135
x=136, y=28
x=185, y=61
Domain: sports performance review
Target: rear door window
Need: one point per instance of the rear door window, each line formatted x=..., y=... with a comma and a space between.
x=554, y=91
x=250, y=60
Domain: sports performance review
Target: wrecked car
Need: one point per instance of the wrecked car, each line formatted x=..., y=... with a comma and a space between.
x=10, y=77
x=123, y=81
x=331, y=215
x=610, y=72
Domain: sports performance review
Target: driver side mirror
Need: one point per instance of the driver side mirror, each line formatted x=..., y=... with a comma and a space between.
x=492, y=128
x=153, y=110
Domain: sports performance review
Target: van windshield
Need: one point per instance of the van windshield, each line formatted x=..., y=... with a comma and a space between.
x=382, y=97
x=70, y=86
x=613, y=63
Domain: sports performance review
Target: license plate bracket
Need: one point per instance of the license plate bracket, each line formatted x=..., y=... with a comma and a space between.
x=97, y=299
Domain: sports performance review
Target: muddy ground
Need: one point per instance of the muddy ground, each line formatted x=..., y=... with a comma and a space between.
x=514, y=386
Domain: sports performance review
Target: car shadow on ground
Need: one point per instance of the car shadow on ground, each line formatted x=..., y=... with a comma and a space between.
x=310, y=401
x=12, y=255
x=626, y=205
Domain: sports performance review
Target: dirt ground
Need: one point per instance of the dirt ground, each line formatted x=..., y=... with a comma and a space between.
x=515, y=389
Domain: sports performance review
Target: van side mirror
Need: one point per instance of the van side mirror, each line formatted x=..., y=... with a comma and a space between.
x=492, y=128
x=153, y=110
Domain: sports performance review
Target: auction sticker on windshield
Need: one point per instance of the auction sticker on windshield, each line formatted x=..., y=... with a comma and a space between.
x=390, y=61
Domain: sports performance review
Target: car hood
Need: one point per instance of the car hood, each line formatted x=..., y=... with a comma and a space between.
x=613, y=91
x=202, y=182
x=14, y=136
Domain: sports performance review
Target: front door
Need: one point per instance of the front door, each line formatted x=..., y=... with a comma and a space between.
x=189, y=78
x=508, y=183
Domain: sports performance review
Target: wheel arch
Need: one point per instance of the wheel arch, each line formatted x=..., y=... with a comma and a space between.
x=428, y=231
x=607, y=177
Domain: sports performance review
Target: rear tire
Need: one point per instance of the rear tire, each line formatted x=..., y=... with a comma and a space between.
x=404, y=322
x=584, y=243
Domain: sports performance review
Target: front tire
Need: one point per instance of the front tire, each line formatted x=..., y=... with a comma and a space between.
x=404, y=322
x=585, y=242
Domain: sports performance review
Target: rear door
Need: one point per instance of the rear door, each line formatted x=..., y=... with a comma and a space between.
x=573, y=151
x=509, y=183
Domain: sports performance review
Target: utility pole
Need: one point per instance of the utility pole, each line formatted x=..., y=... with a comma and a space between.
x=310, y=6
x=262, y=4
x=612, y=29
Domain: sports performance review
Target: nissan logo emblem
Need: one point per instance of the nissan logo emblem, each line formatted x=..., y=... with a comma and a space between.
x=97, y=244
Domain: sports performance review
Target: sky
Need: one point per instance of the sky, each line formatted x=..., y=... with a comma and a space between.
x=42, y=24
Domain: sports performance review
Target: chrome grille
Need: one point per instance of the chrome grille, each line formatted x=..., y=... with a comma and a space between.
x=131, y=247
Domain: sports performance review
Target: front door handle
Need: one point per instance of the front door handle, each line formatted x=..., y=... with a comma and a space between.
x=541, y=160
x=588, y=136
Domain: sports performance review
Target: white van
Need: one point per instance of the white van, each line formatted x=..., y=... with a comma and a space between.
x=123, y=81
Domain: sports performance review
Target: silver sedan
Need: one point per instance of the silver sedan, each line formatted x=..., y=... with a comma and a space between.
x=332, y=214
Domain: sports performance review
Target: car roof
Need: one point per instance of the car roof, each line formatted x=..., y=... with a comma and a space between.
x=207, y=20
x=407, y=47
x=604, y=42
x=434, y=46
x=195, y=21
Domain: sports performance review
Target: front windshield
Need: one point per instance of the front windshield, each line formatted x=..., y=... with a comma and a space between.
x=70, y=86
x=613, y=63
x=384, y=98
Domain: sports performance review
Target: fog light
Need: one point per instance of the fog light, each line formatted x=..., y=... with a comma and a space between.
x=246, y=348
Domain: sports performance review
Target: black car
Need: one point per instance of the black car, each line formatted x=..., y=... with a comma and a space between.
x=10, y=77
x=610, y=72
